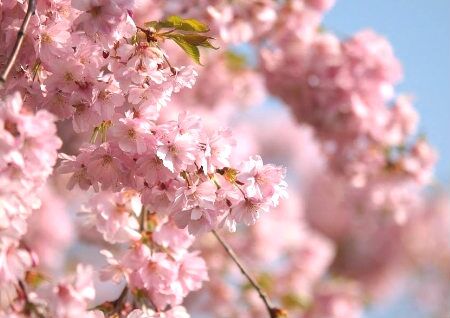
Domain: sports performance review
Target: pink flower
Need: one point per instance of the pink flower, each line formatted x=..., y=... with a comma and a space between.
x=263, y=182
x=152, y=169
x=402, y=123
x=200, y=194
x=78, y=167
x=100, y=17
x=218, y=151
x=185, y=77
x=336, y=302
x=158, y=272
x=133, y=135
x=108, y=98
x=59, y=103
x=321, y=5
x=158, y=278
x=160, y=197
x=115, y=215
x=177, y=152
x=40, y=142
x=171, y=237
x=70, y=297
x=194, y=206
x=198, y=220
x=192, y=272
x=14, y=261
x=28, y=147
x=136, y=257
x=85, y=117
x=114, y=271
x=105, y=166
x=66, y=73
x=150, y=95
x=175, y=312
x=50, y=230
x=52, y=42
x=248, y=212
x=420, y=162
x=142, y=63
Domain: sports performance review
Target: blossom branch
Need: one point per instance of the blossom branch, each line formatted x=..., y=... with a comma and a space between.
x=19, y=41
x=274, y=312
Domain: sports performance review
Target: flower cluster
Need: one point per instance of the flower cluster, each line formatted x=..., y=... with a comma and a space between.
x=87, y=61
x=28, y=145
x=180, y=172
x=114, y=86
x=157, y=265
x=70, y=297
x=50, y=230
x=238, y=86
x=28, y=152
x=291, y=257
x=252, y=20
x=96, y=74
x=344, y=89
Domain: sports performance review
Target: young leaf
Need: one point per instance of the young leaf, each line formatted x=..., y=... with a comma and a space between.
x=181, y=24
x=187, y=47
x=178, y=23
x=194, y=39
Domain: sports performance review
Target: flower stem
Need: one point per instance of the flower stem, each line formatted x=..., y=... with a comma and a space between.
x=273, y=311
x=19, y=41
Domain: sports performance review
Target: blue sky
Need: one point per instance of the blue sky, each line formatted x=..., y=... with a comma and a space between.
x=420, y=34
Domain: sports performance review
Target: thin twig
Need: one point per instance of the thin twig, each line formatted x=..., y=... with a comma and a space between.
x=172, y=69
x=30, y=307
x=114, y=305
x=24, y=291
x=19, y=41
x=122, y=297
x=273, y=311
x=143, y=219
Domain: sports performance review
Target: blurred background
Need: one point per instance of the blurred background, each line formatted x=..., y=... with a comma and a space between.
x=419, y=31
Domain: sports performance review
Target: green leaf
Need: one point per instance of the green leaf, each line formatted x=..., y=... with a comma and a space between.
x=190, y=43
x=194, y=39
x=187, y=47
x=192, y=25
x=178, y=23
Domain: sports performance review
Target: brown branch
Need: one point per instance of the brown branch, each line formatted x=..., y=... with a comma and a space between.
x=273, y=311
x=30, y=307
x=122, y=297
x=19, y=41
x=143, y=219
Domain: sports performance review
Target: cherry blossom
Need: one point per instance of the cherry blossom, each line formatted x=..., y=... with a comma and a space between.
x=155, y=153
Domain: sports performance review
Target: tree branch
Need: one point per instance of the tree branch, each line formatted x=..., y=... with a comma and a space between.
x=19, y=41
x=273, y=311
